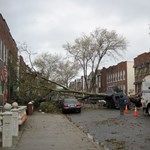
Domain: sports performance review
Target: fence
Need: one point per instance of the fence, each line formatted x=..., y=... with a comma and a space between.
x=11, y=117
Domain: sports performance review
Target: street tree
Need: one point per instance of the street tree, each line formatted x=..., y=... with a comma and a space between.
x=81, y=53
x=66, y=72
x=31, y=85
x=56, y=68
x=47, y=65
x=90, y=50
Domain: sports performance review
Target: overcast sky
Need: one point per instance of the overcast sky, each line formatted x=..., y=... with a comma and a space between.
x=45, y=25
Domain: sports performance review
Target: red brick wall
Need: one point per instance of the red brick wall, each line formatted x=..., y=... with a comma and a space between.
x=141, y=62
x=145, y=57
x=122, y=66
x=102, y=89
x=6, y=37
x=12, y=57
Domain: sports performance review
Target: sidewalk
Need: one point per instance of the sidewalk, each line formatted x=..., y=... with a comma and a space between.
x=51, y=132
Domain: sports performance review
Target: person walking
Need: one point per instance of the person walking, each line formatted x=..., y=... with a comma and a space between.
x=122, y=104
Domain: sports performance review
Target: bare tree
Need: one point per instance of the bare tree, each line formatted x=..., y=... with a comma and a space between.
x=25, y=51
x=90, y=50
x=82, y=53
x=56, y=68
x=67, y=71
x=47, y=65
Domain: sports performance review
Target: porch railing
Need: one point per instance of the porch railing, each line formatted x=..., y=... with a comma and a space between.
x=11, y=117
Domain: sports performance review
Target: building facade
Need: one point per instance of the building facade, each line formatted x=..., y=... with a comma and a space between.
x=8, y=57
x=142, y=69
x=118, y=77
x=101, y=81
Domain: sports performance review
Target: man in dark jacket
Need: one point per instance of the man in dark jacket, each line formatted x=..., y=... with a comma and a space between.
x=122, y=104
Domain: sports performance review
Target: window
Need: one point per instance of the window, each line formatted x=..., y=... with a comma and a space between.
x=99, y=81
x=6, y=56
x=108, y=78
x=1, y=49
x=124, y=88
x=115, y=76
x=118, y=76
x=3, y=52
x=0, y=90
x=124, y=74
x=121, y=73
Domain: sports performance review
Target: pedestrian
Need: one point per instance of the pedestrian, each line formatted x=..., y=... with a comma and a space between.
x=122, y=104
x=138, y=97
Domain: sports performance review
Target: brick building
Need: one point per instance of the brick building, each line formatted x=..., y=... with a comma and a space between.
x=142, y=69
x=120, y=76
x=8, y=56
x=101, y=81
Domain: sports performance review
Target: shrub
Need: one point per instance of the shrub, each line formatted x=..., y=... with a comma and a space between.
x=48, y=107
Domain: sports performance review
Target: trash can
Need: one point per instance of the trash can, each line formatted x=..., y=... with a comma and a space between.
x=30, y=108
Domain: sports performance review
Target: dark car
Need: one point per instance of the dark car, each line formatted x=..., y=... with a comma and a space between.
x=71, y=104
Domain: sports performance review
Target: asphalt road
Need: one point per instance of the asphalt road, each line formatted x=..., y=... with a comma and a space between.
x=115, y=132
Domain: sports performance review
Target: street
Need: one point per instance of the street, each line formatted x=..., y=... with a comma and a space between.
x=115, y=132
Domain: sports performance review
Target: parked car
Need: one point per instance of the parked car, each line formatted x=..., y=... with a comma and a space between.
x=71, y=104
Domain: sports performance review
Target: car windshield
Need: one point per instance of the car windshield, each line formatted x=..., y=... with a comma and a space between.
x=70, y=101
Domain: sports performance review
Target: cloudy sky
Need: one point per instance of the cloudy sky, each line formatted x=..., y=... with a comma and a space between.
x=45, y=25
